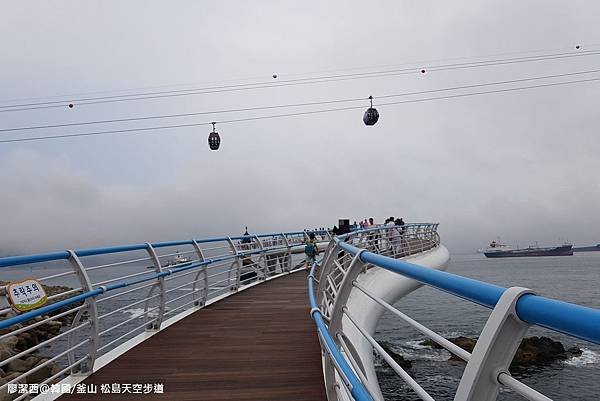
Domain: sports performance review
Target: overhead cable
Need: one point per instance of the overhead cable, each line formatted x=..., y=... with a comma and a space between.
x=290, y=82
x=167, y=127
x=315, y=103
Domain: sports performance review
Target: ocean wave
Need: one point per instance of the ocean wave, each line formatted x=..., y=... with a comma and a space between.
x=587, y=357
x=435, y=355
x=137, y=312
x=415, y=344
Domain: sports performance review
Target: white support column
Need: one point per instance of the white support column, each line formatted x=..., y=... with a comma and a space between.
x=335, y=313
x=161, y=287
x=85, y=368
x=288, y=255
x=262, y=258
x=235, y=265
x=494, y=350
x=202, y=271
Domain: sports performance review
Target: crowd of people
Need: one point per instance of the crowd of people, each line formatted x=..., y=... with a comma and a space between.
x=370, y=223
x=390, y=242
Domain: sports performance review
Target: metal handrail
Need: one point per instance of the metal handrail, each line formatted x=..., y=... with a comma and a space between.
x=352, y=382
x=166, y=287
x=514, y=309
x=571, y=319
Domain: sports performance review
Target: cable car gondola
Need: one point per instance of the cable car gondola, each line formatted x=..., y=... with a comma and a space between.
x=371, y=115
x=214, y=140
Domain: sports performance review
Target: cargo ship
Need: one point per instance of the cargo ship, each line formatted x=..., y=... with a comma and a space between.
x=497, y=250
x=592, y=248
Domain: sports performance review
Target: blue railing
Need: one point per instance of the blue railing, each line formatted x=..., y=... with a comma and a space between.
x=100, y=312
x=51, y=256
x=514, y=309
x=63, y=255
x=355, y=386
x=575, y=320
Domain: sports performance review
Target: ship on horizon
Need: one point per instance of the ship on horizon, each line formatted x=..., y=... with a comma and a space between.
x=498, y=250
x=591, y=248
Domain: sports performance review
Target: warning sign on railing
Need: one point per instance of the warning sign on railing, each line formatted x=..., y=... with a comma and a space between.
x=26, y=295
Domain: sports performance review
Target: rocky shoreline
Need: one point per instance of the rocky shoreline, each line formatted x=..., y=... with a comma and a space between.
x=15, y=344
x=533, y=351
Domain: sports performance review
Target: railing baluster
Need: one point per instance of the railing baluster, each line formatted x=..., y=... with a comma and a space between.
x=494, y=350
x=288, y=254
x=155, y=324
x=92, y=309
x=235, y=266
x=204, y=272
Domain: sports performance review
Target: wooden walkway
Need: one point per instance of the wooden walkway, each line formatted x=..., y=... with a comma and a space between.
x=258, y=345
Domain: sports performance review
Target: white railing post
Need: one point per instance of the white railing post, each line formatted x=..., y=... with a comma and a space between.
x=494, y=349
x=262, y=258
x=288, y=255
x=325, y=270
x=204, y=272
x=161, y=287
x=92, y=309
x=235, y=266
x=355, y=268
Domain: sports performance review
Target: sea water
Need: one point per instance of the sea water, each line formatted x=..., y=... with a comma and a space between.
x=573, y=279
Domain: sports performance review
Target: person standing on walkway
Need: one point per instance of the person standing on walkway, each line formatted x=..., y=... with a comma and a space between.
x=388, y=233
x=311, y=250
x=373, y=236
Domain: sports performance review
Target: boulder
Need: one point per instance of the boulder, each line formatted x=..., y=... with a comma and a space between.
x=532, y=351
x=26, y=340
x=463, y=342
x=4, y=396
x=43, y=373
x=12, y=375
x=542, y=351
x=9, y=341
x=52, y=327
x=18, y=365
x=6, y=352
x=387, y=347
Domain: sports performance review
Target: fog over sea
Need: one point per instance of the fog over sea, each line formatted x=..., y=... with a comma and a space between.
x=569, y=278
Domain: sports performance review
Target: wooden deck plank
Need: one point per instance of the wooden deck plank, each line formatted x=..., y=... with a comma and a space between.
x=258, y=345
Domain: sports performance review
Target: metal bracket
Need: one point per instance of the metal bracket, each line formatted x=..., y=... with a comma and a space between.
x=161, y=287
x=234, y=265
x=494, y=350
x=262, y=258
x=86, y=285
x=203, y=271
x=288, y=255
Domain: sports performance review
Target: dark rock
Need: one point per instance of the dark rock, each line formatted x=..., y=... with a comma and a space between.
x=14, y=344
x=465, y=343
x=574, y=351
x=387, y=347
x=9, y=342
x=4, y=395
x=532, y=351
x=542, y=351
x=43, y=373
x=6, y=352
x=18, y=365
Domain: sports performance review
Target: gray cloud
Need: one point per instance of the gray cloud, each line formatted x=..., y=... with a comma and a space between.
x=520, y=165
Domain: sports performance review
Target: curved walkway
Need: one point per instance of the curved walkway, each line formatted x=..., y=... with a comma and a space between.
x=258, y=345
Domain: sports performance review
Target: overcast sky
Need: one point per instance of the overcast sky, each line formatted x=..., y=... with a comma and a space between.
x=520, y=165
